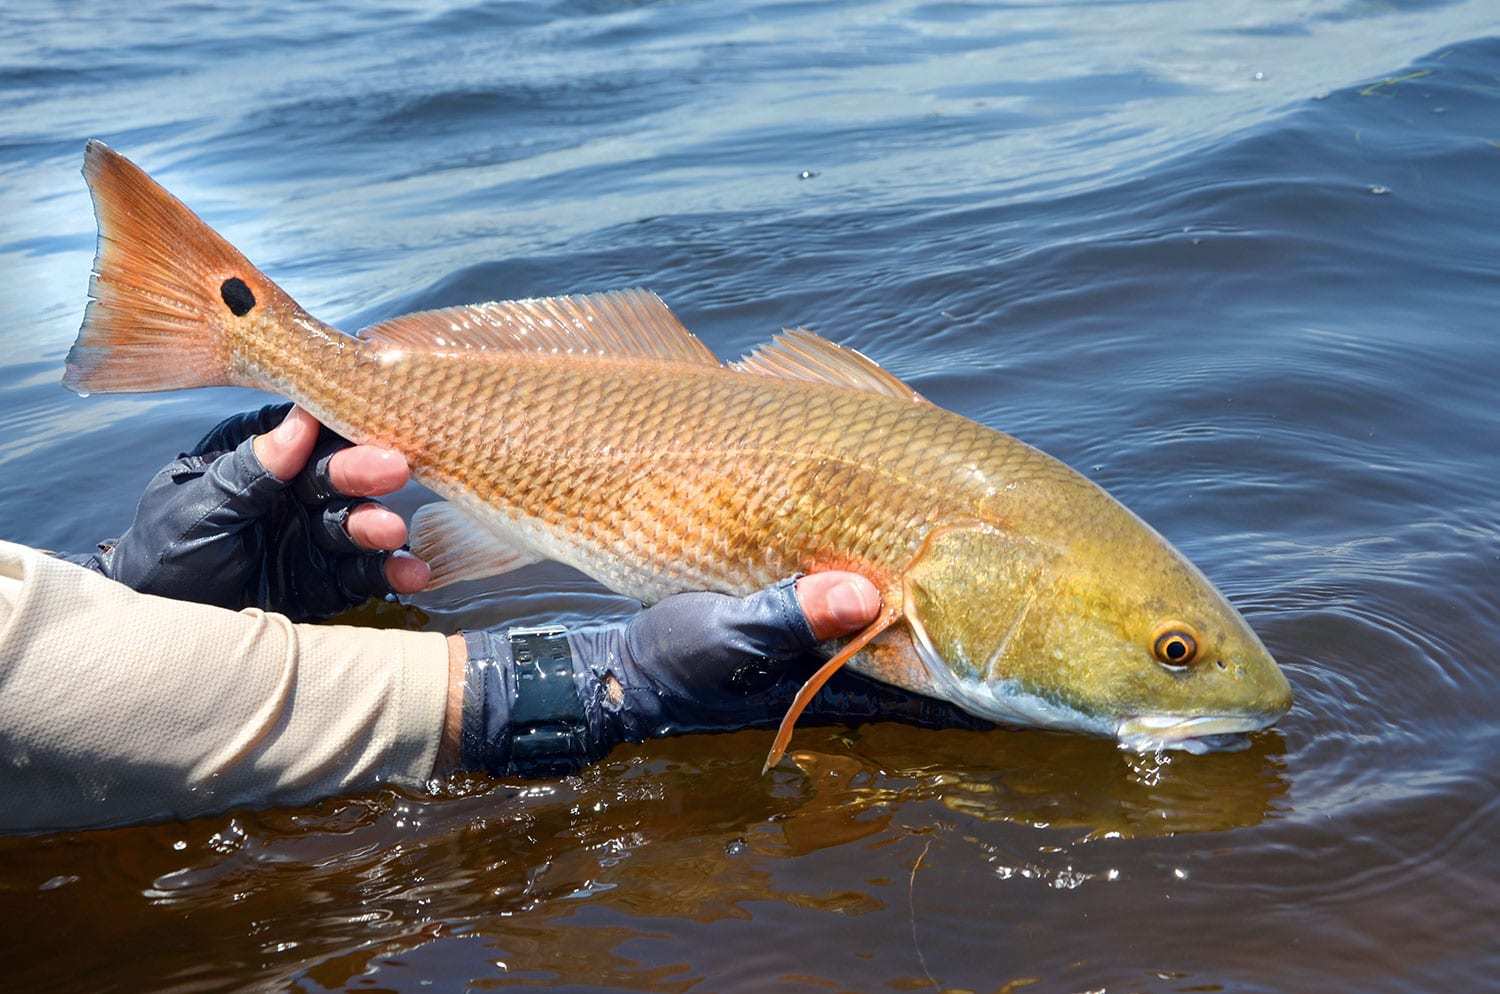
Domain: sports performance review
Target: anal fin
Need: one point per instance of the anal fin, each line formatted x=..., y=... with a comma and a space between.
x=458, y=548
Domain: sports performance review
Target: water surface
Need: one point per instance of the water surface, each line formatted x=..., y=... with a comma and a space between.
x=1237, y=262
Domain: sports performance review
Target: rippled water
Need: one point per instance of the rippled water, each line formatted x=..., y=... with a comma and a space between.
x=1238, y=262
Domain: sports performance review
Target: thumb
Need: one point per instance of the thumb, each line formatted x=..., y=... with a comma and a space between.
x=284, y=450
x=837, y=603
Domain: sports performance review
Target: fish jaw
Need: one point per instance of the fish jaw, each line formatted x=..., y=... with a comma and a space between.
x=1196, y=734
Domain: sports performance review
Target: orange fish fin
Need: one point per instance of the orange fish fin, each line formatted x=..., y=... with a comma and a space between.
x=160, y=296
x=798, y=354
x=459, y=548
x=633, y=323
x=817, y=680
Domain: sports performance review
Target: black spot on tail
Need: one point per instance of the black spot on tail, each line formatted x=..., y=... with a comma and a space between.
x=237, y=296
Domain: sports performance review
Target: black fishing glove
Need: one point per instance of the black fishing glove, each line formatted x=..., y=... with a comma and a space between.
x=540, y=701
x=215, y=527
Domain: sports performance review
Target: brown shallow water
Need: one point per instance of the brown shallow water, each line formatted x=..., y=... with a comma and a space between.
x=886, y=855
x=1237, y=262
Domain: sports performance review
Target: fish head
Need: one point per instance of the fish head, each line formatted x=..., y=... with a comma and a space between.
x=1112, y=632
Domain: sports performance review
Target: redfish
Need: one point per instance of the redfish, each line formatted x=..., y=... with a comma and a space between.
x=597, y=431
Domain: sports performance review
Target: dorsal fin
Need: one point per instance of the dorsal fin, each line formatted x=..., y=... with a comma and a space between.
x=798, y=354
x=620, y=323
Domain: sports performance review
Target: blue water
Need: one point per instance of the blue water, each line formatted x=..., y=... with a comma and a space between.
x=1238, y=262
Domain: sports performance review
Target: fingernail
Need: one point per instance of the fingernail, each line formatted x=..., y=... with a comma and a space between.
x=289, y=430
x=852, y=604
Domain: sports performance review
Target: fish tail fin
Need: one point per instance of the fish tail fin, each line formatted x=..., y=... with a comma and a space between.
x=165, y=293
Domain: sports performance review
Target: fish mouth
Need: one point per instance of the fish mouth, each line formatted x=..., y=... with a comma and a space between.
x=1196, y=734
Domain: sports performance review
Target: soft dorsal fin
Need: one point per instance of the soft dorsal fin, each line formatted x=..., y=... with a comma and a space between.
x=798, y=354
x=620, y=323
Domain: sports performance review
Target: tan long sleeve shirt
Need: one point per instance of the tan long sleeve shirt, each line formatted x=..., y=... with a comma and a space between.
x=121, y=707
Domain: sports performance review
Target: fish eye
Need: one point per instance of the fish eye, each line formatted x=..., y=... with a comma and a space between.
x=1175, y=646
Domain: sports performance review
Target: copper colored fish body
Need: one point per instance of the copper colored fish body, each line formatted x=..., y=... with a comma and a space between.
x=597, y=431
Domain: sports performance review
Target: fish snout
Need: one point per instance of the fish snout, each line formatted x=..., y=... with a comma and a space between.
x=1257, y=706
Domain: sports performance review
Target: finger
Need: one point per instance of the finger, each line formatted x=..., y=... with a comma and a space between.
x=367, y=471
x=283, y=450
x=329, y=529
x=406, y=573
x=313, y=486
x=364, y=576
x=837, y=603
x=230, y=432
x=375, y=528
x=375, y=574
x=349, y=528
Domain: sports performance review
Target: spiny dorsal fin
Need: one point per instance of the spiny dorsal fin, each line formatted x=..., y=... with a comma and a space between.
x=798, y=354
x=620, y=323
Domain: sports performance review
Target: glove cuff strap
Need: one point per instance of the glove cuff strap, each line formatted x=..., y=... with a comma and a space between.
x=522, y=711
x=549, y=731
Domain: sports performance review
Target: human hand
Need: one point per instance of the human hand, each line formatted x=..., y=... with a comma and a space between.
x=692, y=663
x=269, y=510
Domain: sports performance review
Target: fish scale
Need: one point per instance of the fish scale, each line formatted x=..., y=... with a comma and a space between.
x=673, y=465
x=599, y=432
x=648, y=460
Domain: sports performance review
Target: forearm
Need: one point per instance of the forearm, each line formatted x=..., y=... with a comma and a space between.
x=453, y=708
x=119, y=707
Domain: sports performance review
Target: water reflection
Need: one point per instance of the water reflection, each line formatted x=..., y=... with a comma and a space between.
x=560, y=880
x=1051, y=780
